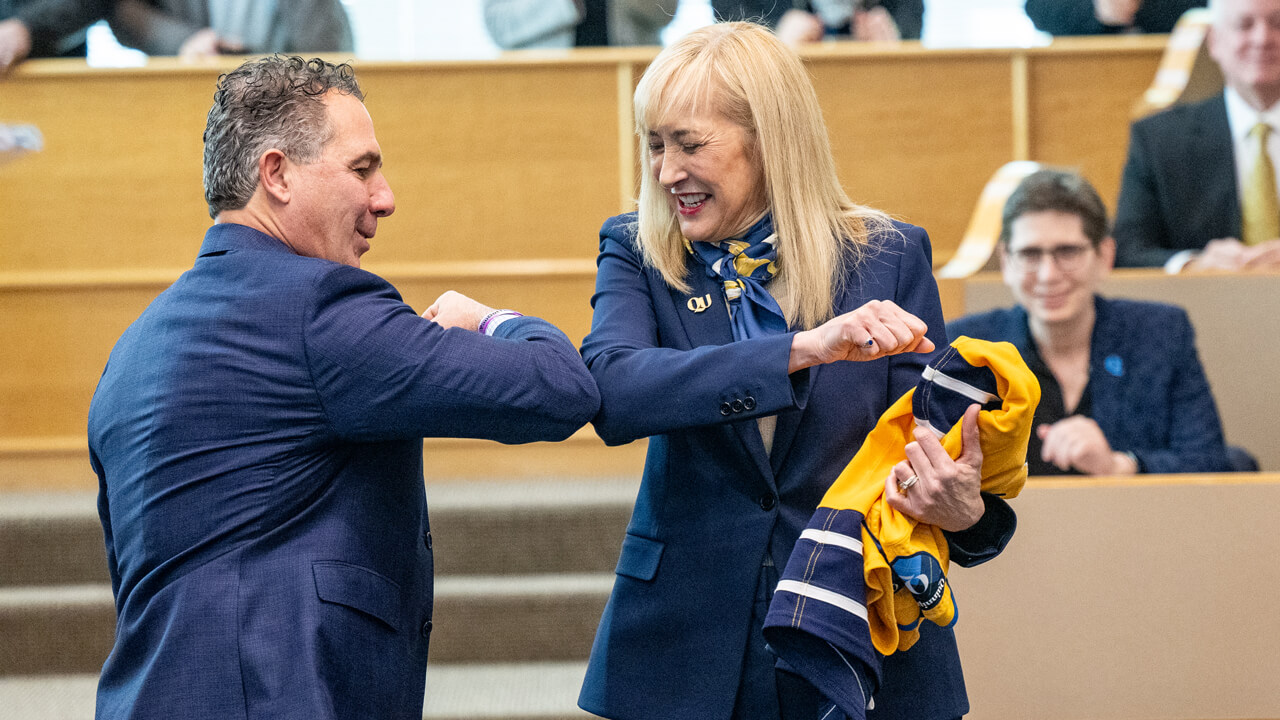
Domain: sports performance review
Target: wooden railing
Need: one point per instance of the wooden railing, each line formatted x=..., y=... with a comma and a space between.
x=1187, y=72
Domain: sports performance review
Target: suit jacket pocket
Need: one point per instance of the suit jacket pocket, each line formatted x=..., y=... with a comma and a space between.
x=359, y=589
x=639, y=557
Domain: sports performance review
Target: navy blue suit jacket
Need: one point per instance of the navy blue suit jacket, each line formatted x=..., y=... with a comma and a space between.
x=1149, y=392
x=712, y=502
x=257, y=436
x=1179, y=186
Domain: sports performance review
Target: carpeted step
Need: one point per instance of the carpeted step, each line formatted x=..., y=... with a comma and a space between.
x=526, y=691
x=496, y=618
x=502, y=528
x=51, y=539
x=514, y=618
x=55, y=628
x=482, y=528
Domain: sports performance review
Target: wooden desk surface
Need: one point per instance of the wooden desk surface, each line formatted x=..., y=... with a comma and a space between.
x=1121, y=598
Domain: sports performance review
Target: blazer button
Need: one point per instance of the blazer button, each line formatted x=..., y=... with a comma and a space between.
x=426, y=629
x=737, y=406
x=426, y=540
x=766, y=502
x=749, y=402
x=726, y=409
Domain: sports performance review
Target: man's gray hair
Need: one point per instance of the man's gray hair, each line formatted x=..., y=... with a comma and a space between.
x=1215, y=11
x=275, y=102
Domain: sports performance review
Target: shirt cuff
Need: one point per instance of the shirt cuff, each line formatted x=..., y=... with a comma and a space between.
x=1174, y=264
x=490, y=323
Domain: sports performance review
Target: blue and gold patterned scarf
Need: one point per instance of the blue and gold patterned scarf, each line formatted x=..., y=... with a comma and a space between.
x=745, y=264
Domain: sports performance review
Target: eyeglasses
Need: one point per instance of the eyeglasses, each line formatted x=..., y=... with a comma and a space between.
x=1068, y=258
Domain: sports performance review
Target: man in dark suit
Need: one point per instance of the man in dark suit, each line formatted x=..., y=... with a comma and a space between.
x=45, y=28
x=194, y=29
x=1191, y=169
x=811, y=20
x=1104, y=17
x=257, y=432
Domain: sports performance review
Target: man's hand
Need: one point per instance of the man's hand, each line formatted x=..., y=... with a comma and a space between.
x=206, y=43
x=1222, y=254
x=875, y=25
x=1231, y=255
x=797, y=27
x=1265, y=256
x=453, y=309
x=1117, y=13
x=948, y=492
x=873, y=331
x=1078, y=443
x=15, y=43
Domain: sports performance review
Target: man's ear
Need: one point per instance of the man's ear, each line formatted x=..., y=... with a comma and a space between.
x=273, y=176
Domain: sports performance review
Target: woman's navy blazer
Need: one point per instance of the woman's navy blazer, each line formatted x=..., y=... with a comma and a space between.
x=713, y=502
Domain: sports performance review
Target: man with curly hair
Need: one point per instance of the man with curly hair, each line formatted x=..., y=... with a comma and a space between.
x=257, y=433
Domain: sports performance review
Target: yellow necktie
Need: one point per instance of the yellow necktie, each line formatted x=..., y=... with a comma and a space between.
x=1261, y=208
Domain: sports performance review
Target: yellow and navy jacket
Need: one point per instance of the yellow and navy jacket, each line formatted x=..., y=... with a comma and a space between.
x=863, y=576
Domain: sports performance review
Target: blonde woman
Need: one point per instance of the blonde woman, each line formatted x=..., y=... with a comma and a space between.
x=754, y=323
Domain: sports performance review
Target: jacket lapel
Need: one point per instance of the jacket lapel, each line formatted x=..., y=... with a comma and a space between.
x=1213, y=155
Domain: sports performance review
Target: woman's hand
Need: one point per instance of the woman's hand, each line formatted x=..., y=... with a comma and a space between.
x=873, y=331
x=946, y=493
x=1077, y=442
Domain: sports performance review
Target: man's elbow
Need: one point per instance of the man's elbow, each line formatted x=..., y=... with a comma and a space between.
x=573, y=407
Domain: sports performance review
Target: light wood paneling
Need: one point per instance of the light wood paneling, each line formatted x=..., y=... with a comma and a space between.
x=1081, y=97
x=58, y=338
x=495, y=162
x=1117, y=601
x=56, y=342
x=118, y=183
x=895, y=121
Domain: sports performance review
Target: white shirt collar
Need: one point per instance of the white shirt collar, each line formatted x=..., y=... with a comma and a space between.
x=1241, y=117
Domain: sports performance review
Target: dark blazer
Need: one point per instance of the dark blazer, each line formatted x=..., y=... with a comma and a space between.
x=1149, y=392
x=257, y=436
x=1179, y=186
x=159, y=27
x=712, y=502
x=56, y=26
x=1077, y=17
x=908, y=15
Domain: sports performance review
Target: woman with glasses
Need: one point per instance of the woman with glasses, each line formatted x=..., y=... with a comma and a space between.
x=1122, y=388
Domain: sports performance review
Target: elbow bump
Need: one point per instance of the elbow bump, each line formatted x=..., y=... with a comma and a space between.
x=612, y=433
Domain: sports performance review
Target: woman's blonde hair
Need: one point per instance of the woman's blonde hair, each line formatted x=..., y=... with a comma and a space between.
x=743, y=72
